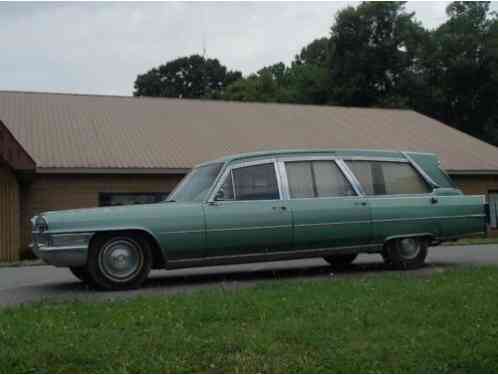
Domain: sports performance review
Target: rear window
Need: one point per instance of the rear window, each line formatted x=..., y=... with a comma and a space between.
x=388, y=178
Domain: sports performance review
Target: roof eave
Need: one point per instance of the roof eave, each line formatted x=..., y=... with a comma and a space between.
x=144, y=171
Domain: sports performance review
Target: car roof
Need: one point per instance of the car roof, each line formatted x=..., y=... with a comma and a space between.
x=311, y=152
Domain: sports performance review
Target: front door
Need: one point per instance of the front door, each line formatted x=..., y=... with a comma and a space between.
x=327, y=211
x=247, y=214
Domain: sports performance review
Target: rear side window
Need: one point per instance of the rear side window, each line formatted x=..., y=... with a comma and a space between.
x=388, y=178
x=257, y=182
x=311, y=179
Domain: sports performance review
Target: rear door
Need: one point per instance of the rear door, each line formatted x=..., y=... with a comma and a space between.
x=326, y=209
x=400, y=199
x=247, y=214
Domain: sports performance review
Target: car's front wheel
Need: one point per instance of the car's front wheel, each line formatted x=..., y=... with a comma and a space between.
x=404, y=253
x=119, y=262
x=340, y=260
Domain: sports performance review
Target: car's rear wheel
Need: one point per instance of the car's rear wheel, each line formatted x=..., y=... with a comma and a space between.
x=340, y=260
x=119, y=262
x=81, y=273
x=406, y=253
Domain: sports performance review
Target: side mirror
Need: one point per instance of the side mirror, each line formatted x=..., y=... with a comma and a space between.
x=220, y=195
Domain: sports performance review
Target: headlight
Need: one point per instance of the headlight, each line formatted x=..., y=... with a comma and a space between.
x=40, y=224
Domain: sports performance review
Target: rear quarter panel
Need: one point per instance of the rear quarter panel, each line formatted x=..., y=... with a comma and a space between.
x=465, y=215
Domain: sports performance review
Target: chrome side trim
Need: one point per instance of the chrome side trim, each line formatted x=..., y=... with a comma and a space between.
x=418, y=196
x=374, y=158
x=350, y=177
x=427, y=218
x=249, y=228
x=184, y=231
x=388, y=220
x=272, y=255
x=60, y=248
x=226, y=229
x=332, y=223
x=285, y=181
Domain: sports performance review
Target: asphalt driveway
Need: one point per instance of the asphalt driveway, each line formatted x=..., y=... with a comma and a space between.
x=37, y=283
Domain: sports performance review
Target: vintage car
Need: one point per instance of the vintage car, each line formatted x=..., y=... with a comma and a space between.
x=268, y=206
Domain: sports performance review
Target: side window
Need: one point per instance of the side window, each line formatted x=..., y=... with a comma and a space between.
x=256, y=182
x=310, y=179
x=388, y=178
x=300, y=178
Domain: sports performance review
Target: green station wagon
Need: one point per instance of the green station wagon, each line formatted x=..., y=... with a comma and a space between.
x=268, y=206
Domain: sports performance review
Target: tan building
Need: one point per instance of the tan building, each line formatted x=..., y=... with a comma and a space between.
x=61, y=151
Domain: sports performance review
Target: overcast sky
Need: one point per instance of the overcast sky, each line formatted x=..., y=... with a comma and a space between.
x=101, y=47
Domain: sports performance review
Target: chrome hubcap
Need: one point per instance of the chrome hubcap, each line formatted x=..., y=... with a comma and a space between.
x=120, y=260
x=409, y=248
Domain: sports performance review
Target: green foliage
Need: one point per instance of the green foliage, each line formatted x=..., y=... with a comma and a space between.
x=461, y=70
x=186, y=77
x=375, y=45
x=391, y=324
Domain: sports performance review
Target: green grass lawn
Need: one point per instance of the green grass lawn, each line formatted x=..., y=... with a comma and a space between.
x=447, y=322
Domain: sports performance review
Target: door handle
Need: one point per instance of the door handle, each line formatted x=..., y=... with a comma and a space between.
x=434, y=200
x=360, y=203
x=283, y=208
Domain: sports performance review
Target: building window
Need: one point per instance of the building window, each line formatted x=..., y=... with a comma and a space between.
x=493, y=208
x=122, y=199
x=386, y=178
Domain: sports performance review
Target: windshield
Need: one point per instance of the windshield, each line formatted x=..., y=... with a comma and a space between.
x=196, y=184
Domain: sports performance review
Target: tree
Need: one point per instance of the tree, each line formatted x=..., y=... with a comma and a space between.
x=373, y=54
x=186, y=77
x=316, y=53
x=461, y=68
x=305, y=81
x=269, y=84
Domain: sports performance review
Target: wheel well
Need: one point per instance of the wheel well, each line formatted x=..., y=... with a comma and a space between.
x=157, y=254
x=429, y=237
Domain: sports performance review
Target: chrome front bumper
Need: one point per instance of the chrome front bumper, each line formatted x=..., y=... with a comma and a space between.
x=62, y=250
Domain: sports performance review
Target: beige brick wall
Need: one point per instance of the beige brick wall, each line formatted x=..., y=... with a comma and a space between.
x=61, y=192
x=478, y=185
x=9, y=215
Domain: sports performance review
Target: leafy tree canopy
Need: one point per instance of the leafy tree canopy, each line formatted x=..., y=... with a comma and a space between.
x=374, y=54
x=186, y=77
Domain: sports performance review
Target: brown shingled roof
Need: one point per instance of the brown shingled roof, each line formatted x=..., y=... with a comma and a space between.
x=91, y=131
